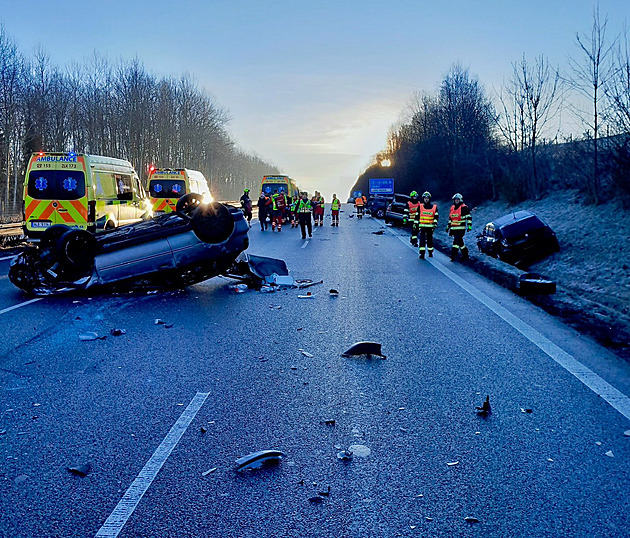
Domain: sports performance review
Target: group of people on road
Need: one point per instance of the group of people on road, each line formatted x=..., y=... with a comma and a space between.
x=281, y=208
x=423, y=215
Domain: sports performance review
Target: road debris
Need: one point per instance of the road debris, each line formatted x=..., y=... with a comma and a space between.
x=368, y=349
x=361, y=451
x=118, y=332
x=259, y=459
x=610, y=454
x=159, y=321
x=89, y=336
x=627, y=433
x=333, y=292
x=307, y=296
x=524, y=410
x=209, y=471
x=309, y=284
x=316, y=499
x=267, y=289
x=345, y=455
x=471, y=519
x=307, y=354
x=452, y=463
x=329, y=422
x=378, y=232
x=203, y=429
x=80, y=470
x=428, y=518
x=485, y=409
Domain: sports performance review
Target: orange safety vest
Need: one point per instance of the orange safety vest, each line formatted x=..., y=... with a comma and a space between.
x=427, y=216
x=413, y=209
x=358, y=201
x=455, y=219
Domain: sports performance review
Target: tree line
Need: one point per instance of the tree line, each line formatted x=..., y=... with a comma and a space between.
x=116, y=109
x=510, y=145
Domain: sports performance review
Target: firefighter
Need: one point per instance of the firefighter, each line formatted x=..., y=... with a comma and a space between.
x=246, y=204
x=318, y=208
x=335, y=206
x=303, y=210
x=410, y=216
x=359, y=203
x=459, y=222
x=279, y=204
x=292, y=208
x=264, y=204
x=426, y=221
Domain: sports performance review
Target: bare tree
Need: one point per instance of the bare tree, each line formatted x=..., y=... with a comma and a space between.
x=590, y=73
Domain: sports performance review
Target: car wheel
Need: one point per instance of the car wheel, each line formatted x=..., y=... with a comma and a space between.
x=187, y=204
x=380, y=213
x=52, y=234
x=212, y=223
x=535, y=284
x=76, y=250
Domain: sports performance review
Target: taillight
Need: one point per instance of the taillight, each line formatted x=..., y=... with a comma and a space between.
x=91, y=216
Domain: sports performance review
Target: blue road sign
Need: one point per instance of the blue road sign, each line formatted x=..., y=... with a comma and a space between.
x=382, y=185
x=357, y=194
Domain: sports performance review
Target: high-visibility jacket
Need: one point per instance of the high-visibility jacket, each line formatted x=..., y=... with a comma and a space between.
x=459, y=218
x=335, y=204
x=411, y=210
x=304, y=206
x=358, y=201
x=427, y=218
x=279, y=201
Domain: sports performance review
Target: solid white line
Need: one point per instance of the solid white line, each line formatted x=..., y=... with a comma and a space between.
x=305, y=243
x=8, y=257
x=20, y=305
x=610, y=394
x=117, y=519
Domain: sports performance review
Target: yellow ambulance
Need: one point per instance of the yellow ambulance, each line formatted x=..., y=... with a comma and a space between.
x=84, y=191
x=167, y=185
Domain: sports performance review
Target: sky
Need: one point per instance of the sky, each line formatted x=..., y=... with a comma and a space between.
x=312, y=87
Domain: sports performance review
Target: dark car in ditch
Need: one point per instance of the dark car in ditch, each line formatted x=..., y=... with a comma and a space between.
x=197, y=242
x=395, y=212
x=377, y=206
x=518, y=238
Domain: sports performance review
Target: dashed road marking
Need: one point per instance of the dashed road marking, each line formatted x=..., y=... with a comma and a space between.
x=117, y=519
x=10, y=308
x=610, y=394
x=8, y=257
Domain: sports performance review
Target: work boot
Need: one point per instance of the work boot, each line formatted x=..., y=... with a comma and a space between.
x=421, y=255
x=465, y=255
x=453, y=254
x=430, y=253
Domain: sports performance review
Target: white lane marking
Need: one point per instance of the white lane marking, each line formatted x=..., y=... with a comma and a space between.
x=610, y=394
x=117, y=519
x=8, y=257
x=305, y=243
x=20, y=305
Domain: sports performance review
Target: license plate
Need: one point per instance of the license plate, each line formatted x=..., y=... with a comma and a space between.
x=40, y=223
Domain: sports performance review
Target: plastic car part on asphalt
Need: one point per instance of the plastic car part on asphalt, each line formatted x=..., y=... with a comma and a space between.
x=368, y=349
x=259, y=459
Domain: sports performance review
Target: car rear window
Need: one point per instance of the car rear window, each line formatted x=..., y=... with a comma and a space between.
x=56, y=184
x=521, y=227
x=167, y=188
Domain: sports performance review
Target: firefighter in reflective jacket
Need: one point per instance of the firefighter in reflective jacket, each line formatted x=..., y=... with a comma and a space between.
x=303, y=210
x=279, y=204
x=459, y=222
x=335, y=206
x=426, y=220
x=411, y=211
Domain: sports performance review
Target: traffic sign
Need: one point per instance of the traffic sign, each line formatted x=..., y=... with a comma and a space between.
x=382, y=185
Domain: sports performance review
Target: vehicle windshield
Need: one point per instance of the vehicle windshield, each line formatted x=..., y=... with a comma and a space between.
x=521, y=227
x=167, y=188
x=270, y=187
x=56, y=184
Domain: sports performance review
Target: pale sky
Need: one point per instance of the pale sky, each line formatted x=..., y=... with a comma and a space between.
x=311, y=86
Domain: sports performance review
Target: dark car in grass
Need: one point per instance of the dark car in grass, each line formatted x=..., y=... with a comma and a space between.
x=518, y=238
x=197, y=242
x=395, y=212
x=377, y=206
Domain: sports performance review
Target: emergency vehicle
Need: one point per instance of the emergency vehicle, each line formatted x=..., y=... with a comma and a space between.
x=284, y=183
x=167, y=185
x=84, y=191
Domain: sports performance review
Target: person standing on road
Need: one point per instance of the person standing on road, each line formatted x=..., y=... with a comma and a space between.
x=264, y=202
x=410, y=216
x=304, y=210
x=426, y=221
x=459, y=222
x=292, y=212
x=279, y=204
x=318, y=209
x=335, y=206
x=246, y=205
x=359, y=204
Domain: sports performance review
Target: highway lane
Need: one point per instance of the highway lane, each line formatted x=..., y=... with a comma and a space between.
x=113, y=402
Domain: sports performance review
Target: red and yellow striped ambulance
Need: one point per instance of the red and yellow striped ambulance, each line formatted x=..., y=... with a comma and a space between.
x=167, y=185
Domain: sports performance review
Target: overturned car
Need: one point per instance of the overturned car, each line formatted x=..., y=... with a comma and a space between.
x=196, y=242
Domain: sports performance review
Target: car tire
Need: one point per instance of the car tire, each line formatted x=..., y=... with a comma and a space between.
x=535, y=284
x=188, y=203
x=51, y=235
x=212, y=223
x=76, y=250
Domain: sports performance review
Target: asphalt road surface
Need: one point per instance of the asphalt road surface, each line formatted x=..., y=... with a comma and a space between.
x=161, y=413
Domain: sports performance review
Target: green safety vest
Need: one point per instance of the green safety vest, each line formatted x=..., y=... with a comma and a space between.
x=305, y=207
x=336, y=204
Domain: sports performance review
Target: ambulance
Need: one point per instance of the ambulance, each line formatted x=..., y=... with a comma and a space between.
x=167, y=185
x=84, y=191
